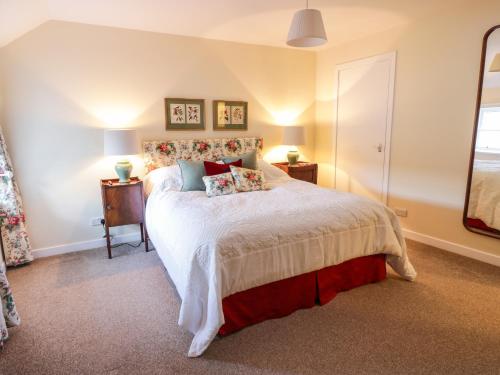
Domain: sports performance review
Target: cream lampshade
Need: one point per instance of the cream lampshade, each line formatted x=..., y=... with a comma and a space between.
x=307, y=29
x=293, y=136
x=495, y=65
x=121, y=142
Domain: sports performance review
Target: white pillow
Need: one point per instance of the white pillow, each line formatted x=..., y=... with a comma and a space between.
x=272, y=173
x=169, y=178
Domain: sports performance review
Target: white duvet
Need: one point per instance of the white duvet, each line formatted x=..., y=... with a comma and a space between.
x=215, y=247
x=484, y=201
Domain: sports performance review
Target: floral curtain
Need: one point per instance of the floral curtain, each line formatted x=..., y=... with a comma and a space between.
x=8, y=312
x=16, y=245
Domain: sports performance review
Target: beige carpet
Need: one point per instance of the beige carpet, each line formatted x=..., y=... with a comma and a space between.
x=83, y=313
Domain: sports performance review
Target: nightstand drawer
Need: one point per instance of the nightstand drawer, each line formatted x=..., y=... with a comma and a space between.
x=308, y=175
x=123, y=205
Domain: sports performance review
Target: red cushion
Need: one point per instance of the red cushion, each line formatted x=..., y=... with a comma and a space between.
x=212, y=168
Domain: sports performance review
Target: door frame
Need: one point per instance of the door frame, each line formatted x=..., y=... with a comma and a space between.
x=391, y=58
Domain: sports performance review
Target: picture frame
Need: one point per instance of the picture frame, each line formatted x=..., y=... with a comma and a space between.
x=184, y=114
x=230, y=115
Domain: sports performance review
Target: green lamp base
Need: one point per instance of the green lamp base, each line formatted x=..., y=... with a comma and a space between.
x=293, y=157
x=123, y=169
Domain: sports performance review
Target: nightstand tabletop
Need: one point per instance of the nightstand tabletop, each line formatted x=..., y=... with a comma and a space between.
x=299, y=164
x=113, y=182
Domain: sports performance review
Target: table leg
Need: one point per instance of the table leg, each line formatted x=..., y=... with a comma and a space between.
x=108, y=242
x=146, y=238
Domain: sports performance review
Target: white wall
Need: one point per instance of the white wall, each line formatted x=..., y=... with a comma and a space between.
x=435, y=96
x=65, y=82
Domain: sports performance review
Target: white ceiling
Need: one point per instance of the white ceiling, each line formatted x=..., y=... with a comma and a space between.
x=263, y=22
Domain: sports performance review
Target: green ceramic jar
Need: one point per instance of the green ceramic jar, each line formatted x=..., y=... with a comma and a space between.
x=123, y=168
x=293, y=157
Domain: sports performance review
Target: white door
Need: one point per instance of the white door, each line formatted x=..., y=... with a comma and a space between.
x=365, y=91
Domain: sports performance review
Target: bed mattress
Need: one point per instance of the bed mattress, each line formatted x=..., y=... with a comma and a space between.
x=215, y=247
x=484, y=200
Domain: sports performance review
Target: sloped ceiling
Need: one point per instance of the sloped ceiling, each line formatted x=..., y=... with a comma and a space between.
x=19, y=17
x=262, y=22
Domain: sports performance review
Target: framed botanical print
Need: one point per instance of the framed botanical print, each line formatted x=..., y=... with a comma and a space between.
x=185, y=114
x=230, y=115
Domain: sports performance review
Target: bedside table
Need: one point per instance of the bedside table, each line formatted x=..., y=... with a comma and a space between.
x=123, y=204
x=301, y=171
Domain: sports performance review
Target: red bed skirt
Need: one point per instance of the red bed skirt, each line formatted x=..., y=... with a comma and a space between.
x=281, y=298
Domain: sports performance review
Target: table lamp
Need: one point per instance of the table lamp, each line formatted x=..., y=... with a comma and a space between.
x=293, y=136
x=121, y=142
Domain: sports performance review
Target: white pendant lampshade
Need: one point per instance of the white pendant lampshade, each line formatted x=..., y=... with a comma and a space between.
x=307, y=29
x=495, y=65
x=120, y=142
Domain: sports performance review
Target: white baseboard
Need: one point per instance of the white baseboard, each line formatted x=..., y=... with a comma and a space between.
x=415, y=236
x=84, y=245
x=452, y=247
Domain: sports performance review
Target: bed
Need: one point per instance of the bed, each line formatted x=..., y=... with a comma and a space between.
x=484, y=201
x=228, y=255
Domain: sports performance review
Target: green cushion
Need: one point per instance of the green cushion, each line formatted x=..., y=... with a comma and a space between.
x=192, y=175
x=249, y=159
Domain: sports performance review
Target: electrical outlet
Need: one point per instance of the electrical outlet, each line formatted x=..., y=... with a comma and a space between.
x=403, y=212
x=95, y=221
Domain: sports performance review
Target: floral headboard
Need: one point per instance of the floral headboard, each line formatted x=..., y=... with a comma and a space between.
x=164, y=153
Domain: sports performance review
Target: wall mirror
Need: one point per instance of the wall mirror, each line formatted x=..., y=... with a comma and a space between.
x=482, y=203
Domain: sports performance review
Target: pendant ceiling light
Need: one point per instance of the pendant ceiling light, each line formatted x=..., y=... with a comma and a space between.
x=307, y=29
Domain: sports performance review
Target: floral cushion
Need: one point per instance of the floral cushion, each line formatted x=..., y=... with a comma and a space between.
x=248, y=179
x=220, y=184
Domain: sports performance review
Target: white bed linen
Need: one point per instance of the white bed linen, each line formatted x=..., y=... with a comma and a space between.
x=484, y=200
x=215, y=247
x=163, y=178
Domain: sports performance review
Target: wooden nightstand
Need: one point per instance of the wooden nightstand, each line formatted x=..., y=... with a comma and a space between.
x=301, y=171
x=123, y=204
